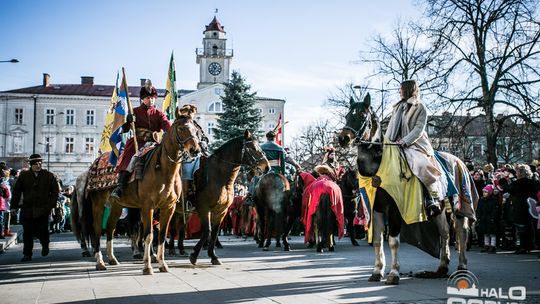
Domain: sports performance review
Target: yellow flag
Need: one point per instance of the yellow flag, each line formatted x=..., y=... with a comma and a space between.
x=104, y=144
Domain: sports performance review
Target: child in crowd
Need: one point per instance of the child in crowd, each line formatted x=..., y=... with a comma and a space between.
x=488, y=215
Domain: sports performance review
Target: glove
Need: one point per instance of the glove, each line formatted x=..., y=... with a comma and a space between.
x=130, y=118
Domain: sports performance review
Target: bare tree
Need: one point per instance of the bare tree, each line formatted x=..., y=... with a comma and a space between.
x=496, y=57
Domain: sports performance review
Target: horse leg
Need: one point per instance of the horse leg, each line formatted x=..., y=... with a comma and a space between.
x=287, y=230
x=116, y=210
x=173, y=230
x=444, y=232
x=181, y=237
x=351, y=230
x=98, y=218
x=269, y=229
x=165, y=218
x=205, y=226
x=211, y=245
x=378, y=230
x=462, y=233
x=147, y=218
x=279, y=228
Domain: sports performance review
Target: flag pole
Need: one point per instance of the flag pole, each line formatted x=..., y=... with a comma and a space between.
x=130, y=109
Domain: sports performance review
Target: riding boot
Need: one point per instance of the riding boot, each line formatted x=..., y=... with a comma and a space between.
x=433, y=207
x=123, y=178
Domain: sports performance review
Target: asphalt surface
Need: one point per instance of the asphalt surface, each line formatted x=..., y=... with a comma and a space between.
x=248, y=275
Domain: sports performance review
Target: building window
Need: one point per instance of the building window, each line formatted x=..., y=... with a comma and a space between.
x=217, y=91
x=18, y=116
x=17, y=144
x=216, y=107
x=478, y=149
x=70, y=117
x=90, y=116
x=211, y=127
x=271, y=126
x=272, y=111
x=70, y=142
x=260, y=110
x=89, y=145
x=49, y=116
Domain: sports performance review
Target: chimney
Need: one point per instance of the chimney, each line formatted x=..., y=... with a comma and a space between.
x=143, y=81
x=87, y=80
x=46, y=79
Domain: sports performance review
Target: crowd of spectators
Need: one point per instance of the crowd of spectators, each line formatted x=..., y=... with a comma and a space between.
x=507, y=212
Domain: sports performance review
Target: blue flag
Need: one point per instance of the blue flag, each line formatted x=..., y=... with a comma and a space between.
x=120, y=113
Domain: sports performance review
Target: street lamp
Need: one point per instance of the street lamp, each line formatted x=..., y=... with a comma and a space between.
x=10, y=61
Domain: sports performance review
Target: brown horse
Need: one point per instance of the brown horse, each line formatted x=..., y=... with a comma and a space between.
x=159, y=188
x=215, y=186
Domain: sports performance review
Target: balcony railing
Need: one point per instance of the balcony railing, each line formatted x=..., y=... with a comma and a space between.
x=214, y=52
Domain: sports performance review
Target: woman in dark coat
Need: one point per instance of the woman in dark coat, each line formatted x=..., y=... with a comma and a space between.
x=488, y=217
x=520, y=190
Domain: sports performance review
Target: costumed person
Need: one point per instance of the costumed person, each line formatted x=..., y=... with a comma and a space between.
x=488, y=217
x=407, y=127
x=330, y=161
x=39, y=190
x=147, y=120
x=274, y=153
x=190, y=166
x=5, y=196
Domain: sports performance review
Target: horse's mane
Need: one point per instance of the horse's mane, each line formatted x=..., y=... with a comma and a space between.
x=232, y=142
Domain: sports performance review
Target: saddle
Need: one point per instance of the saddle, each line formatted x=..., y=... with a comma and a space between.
x=102, y=175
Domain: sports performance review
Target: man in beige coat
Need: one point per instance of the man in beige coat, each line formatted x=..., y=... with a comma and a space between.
x=407, y=127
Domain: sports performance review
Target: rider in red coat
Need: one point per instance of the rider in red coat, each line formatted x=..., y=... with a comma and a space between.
x=147, y=120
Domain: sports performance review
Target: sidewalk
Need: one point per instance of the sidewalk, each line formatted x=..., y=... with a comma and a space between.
x=11, y=240
x=248, y=275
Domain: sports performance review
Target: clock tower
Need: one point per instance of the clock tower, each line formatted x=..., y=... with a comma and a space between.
x=213, y=58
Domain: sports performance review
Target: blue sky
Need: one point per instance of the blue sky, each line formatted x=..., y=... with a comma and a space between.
x=301, y=51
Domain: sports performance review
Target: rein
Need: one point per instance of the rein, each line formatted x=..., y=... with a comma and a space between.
x=245, y=151
x=180, y=142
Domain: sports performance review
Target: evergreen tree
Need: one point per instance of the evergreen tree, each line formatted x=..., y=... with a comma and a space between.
x=239, y=111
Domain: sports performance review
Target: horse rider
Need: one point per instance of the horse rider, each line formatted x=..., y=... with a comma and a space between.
x=276, y=155
x=330, y=161
x=407, y=127
x=190, y=166
x=148, y=119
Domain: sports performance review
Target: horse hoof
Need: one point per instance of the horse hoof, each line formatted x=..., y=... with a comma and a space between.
x=148, y=271
x=101, y=267
x=320, y=250
x=183, y=253
x=193, y=259
x=86, y=254
x=261, y=245
x=216, y=262
x=355, y=243
x=392, y=280
x=164, y=268
x=266, y=249
x=331, y=249
x=375, y=277
x=114, y=262
x=286, y=248
x=137, y=256
x=442, y=272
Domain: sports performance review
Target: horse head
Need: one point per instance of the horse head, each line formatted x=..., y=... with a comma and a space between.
x=185, y=134
x=252, y=154
x=358, y=122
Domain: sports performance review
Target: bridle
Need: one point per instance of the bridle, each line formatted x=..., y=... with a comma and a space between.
x=180, y=156
x=253, y=160
x=362, y=134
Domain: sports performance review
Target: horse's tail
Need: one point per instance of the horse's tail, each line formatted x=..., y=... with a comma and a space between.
x=324, y=218
x=75, y=219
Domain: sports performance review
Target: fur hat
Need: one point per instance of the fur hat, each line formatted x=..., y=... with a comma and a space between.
x=148, y=90
x=271, y=135
x=188, y=109
x=34, y=158
x=325, y=170
x=488, y=167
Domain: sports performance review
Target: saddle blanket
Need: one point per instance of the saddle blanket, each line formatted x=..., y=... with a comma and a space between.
x=102, y=174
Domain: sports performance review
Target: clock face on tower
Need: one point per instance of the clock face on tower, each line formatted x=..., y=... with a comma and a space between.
x=214, y=68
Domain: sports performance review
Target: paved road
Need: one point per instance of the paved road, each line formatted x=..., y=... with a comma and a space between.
x=247, y=275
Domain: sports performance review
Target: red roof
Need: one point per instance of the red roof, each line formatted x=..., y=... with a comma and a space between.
x=77, y=89
x=215, y=26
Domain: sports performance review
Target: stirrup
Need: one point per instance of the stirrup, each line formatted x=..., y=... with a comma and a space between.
x=117, y=192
